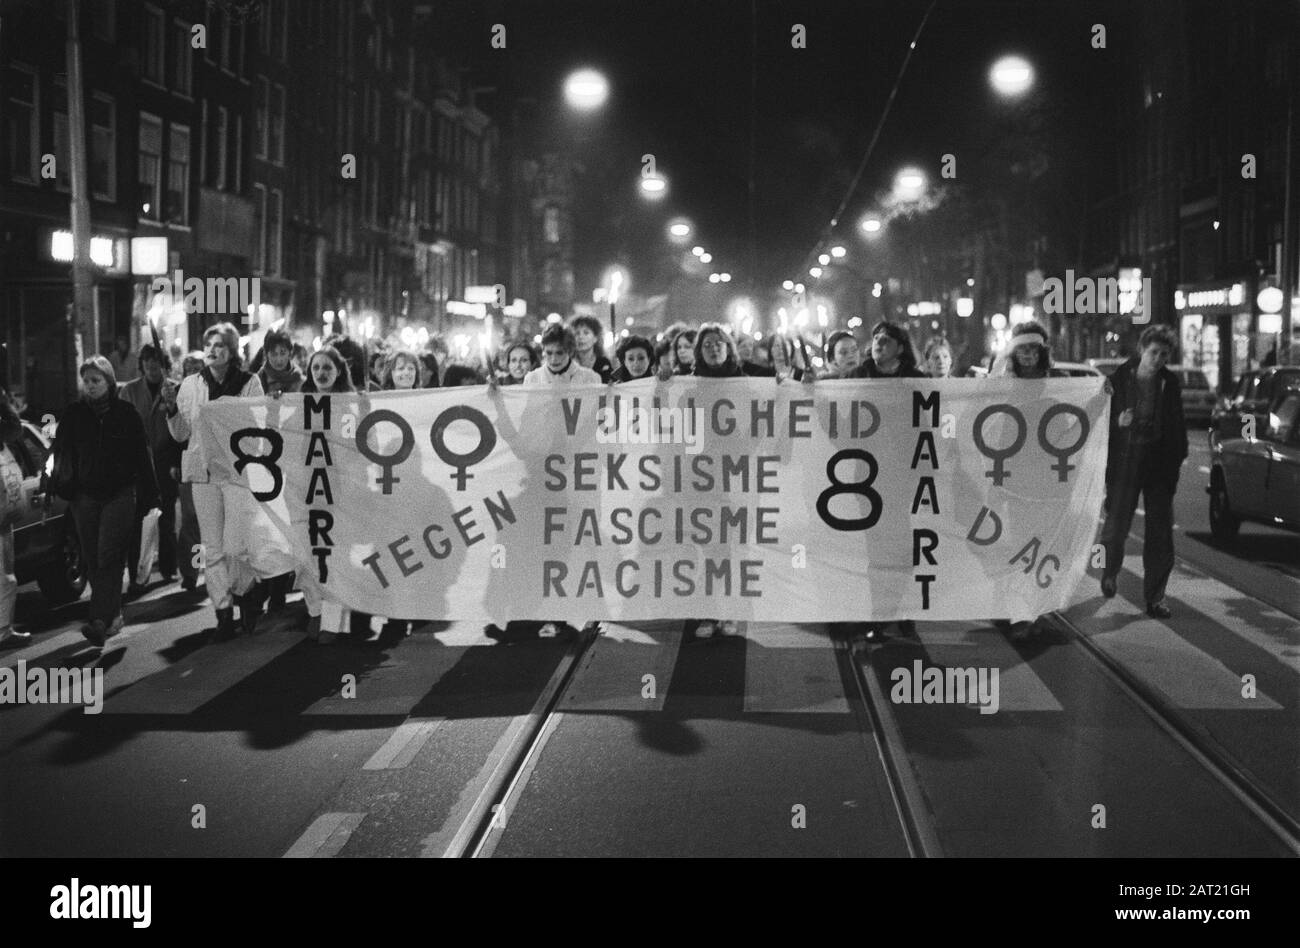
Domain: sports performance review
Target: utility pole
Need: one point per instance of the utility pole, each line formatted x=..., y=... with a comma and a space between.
x=85, y=318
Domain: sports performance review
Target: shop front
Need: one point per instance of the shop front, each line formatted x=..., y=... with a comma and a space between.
x=1216, y=330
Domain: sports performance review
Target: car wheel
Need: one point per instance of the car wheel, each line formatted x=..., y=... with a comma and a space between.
x=64, y=579
x=1223, y=523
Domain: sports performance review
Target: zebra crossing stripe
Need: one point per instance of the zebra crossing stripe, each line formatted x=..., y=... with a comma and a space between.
x=326, y=836
x=959, y=645
x=791, y=670
x=1270, y=630
x=402, y=746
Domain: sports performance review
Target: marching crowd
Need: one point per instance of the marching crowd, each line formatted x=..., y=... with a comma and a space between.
x=126, y=456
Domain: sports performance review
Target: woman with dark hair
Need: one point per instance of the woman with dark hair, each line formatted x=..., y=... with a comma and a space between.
x=101, y=440
x=1148, y=444
x=589, y=351
x=400, y=372
x=354, y=356
x=681, y=353
x=11, y=500
x=278, y=374
x=715, y=357
x=636, y=359
x=327, y=371
x=521, y=358
x=892, y=354
x=429, y=376
x=222, y=376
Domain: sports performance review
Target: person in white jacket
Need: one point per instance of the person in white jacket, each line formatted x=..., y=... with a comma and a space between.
x=559, y=367
x=222, y=376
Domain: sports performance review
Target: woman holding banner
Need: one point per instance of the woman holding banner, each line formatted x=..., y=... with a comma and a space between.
x=222, y=377
x=327, y=371
x=892, y=354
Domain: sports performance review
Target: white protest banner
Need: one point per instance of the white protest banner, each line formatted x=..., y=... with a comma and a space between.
x=692, y=498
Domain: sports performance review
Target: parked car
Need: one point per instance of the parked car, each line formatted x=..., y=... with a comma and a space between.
x=46, y=548
x=1256, y=390
x=1198, y=397
x=1074, y=370
x=1258, y=479
x=1107, y=365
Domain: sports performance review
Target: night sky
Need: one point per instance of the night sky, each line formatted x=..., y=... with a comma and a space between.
x=680, y=74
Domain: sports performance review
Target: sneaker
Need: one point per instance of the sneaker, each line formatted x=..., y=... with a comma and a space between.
x=94, y=631
x=114, y=627
x=134, y=589
x=1108, y=586
x=1158, y=610
x=728, y=628
x=189, y=582
x=12, y=638
x=549, y=630
x=326, y=637
x=706, y=629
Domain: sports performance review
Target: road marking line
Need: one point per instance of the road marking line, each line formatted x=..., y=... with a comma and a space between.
x=326, y=836
x=400, y=748
x=949, y=645
x=789, y=670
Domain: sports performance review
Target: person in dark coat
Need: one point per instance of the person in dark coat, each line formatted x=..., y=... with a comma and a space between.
x=892, y=354
x=636, y=360
x=590, y=353
x=101, y=440
x=1148, y=444
x=144, y=394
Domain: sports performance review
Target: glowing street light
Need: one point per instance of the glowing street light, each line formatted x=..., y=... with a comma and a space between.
x=798, y=287
x=724, y=277
x=815, y=272
x=698, y=251
x=965, y=306
x=824, y=259
x=787, y=285
x=838, y=252
x=586, y=90
x=713, y=278
x=654, y=186
x=909, y=183
x=706, y=258
x=871, y=224
x=679, y=229
x=1011, y=76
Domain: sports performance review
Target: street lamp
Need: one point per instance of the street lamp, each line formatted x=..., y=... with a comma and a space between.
x=909, y=183
x=653, y=186
x=1011, y=76
x=838, y=252
x=679, y=229
x=815, y=272
x=871, y=224
x=824, y=259
x=705, y=257
x=586, y=90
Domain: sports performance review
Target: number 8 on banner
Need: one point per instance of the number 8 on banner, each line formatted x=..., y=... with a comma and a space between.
x=838, y=487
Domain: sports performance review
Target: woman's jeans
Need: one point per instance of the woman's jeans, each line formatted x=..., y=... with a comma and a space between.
x=1131, y=480
x=105, y=528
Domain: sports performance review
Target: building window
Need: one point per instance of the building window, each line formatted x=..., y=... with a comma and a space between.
x=274, y=208
x=217, y=144
x=260, y=122
x=237, y=157
x=183, y=64
x=62, y=141
x=103, y=147
x=103, y=20
x=150, y=167
x=155, y=41
x=227, y=41
x=259, y=211
x=22, y=133
x=277, y=125
x=177, y=205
